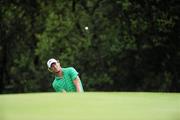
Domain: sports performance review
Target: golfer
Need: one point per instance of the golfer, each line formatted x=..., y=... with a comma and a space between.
x=66, y=79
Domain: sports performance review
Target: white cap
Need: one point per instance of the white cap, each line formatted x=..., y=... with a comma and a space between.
x=50, y=61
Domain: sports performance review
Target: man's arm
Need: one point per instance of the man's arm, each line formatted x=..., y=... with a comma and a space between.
x=78, y=84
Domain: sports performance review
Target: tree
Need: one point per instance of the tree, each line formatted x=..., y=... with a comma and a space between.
x=129, y=45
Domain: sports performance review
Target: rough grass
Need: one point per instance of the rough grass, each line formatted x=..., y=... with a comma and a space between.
x=90, y=106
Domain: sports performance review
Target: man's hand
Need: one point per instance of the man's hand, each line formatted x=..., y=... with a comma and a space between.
x=64, y=91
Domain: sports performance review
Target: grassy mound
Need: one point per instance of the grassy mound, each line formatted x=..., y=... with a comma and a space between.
x=90, y=106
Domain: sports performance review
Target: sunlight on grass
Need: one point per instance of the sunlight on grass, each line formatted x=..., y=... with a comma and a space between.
x=90, y=106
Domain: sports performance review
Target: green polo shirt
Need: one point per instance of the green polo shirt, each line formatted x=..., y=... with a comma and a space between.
x=66, y=81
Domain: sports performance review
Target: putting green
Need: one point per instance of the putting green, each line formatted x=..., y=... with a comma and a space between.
x=90, y=106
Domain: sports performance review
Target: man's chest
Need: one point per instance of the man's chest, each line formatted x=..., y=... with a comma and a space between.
x=65, y=82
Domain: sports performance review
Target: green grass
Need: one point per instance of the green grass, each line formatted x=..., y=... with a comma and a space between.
x=90, y=106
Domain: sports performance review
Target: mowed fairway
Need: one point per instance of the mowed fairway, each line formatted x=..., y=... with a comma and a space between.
x=90, y=106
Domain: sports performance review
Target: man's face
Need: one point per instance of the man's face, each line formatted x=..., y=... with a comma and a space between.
x=55, y=67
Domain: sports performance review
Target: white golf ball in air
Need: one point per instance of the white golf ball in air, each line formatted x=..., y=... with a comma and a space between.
x=86, y=28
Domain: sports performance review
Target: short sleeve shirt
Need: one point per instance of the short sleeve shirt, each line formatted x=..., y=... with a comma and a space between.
x=66, y=81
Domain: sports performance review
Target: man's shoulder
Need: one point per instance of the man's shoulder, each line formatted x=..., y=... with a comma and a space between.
x=70, y=71
x=67, y=69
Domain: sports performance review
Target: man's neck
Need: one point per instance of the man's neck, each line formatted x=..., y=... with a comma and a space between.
x=59, y=73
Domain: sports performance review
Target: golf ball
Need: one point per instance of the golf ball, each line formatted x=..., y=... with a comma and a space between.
x=86, y=28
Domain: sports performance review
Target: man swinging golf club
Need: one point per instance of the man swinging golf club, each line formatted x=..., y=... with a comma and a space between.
x=66, y=79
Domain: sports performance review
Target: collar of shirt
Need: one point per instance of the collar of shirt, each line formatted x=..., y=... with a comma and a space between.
x=58, y=77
